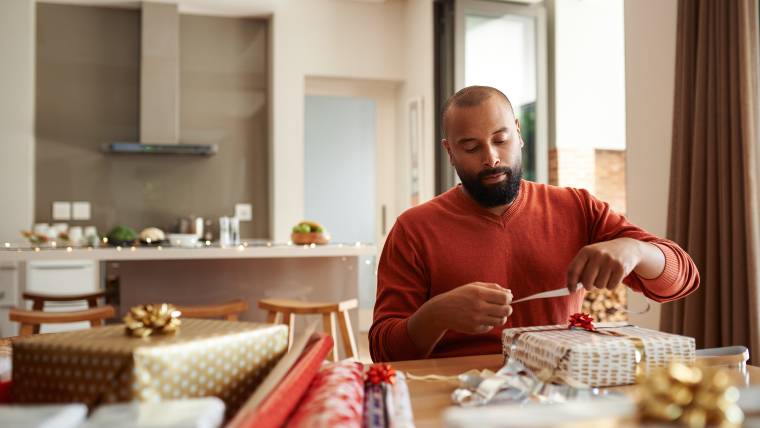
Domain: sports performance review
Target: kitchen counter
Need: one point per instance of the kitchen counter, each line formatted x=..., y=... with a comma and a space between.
x=210, y=274
x=244, y=251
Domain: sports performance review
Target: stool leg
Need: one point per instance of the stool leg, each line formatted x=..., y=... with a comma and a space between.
x=289, y=319
x=349, y=343
x=271, y=317
x=26, y=329
x=329, y=326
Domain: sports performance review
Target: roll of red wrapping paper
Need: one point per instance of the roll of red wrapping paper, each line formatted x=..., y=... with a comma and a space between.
x=275, y=409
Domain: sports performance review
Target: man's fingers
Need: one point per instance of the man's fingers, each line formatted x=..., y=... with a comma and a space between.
x=604, y=277
x=498, y=310
x=616, y=277
x=590, y=272
x=500, y=296
x=494, y=321
x=575, y=269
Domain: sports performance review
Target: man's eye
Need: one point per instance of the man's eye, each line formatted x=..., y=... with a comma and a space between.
x=500, y=142
x=471, y=149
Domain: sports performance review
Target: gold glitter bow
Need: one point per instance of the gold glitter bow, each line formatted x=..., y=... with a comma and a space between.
x=144, y=320
x=692, y=396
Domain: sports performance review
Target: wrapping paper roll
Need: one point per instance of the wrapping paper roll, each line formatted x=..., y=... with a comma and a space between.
x=334, y=399
x=374, y=406
x=400, y=405
x=280, y=402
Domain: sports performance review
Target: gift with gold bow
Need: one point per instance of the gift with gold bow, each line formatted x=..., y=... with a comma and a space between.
x=155, y=360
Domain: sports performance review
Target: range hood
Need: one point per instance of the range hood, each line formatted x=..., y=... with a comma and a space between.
x=159, y=88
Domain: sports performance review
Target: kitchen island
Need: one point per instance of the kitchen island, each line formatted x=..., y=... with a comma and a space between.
x=212, y=274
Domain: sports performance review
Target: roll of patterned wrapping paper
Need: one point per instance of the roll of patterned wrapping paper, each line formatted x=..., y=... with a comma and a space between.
x=399, y=405
x=374, y=406
x=334, y=399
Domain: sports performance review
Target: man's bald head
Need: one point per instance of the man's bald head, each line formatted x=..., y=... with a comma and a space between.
x=471, y=96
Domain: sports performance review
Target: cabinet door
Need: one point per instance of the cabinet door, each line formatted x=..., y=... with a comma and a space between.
x=8, y=284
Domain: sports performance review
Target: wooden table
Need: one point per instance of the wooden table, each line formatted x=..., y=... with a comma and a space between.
x=431, y=398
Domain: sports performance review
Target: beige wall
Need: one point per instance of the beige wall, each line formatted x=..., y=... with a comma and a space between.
x=88, y=93
x=389, y=41
x=650, y=38
x=16, y=117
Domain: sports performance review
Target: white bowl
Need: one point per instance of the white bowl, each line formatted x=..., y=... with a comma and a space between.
x=187, y=240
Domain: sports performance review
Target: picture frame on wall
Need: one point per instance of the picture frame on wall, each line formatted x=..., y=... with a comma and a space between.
x=414, y=117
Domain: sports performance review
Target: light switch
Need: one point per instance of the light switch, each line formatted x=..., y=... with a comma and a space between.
x=61, y=210
x=244, y=212
x=80, y=210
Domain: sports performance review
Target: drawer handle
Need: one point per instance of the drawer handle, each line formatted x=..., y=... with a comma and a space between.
x=2, y=294
x=62, y=267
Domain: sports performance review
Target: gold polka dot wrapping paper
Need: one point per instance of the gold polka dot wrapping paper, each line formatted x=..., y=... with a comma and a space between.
x=103, y=365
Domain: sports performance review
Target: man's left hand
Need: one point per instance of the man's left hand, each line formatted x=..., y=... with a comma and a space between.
x=604, y=264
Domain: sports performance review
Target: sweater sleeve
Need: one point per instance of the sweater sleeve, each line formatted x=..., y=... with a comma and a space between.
x=680, y=276
x=402, y=288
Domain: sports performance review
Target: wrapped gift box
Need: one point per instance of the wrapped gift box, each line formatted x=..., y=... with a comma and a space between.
x=104, y=365
x=591, y=358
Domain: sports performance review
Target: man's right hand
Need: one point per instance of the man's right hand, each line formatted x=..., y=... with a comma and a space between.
x=473, y=308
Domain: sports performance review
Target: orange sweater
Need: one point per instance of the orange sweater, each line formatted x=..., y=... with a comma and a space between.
x=451, y=240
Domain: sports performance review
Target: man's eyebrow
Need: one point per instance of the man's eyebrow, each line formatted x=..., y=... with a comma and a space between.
x=466, y=140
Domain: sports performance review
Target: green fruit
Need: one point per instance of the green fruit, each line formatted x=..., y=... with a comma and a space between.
x=305, y=228
x=122, y=233
x=296, y=229
x=318, y=229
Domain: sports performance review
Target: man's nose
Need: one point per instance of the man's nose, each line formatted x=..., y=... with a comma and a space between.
x=492, y=158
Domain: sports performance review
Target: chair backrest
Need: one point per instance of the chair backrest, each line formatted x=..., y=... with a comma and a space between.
x=230, y=311
x=30, y=319
x=38, y=300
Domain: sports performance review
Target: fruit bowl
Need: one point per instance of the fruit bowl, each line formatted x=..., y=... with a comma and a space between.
x=309, y=232
x=301, y=238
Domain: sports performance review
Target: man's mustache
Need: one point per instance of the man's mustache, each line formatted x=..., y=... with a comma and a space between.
x=492, y=171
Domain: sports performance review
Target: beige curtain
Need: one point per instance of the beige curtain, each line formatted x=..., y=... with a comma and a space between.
x=713, y=201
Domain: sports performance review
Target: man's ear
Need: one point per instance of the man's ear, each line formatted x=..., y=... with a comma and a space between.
x=447, y=146
x=522, y=143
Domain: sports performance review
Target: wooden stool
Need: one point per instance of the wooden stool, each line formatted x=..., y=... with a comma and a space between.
x=31, y=320
x=38, y=301
x=230, y=311
x=289, y=308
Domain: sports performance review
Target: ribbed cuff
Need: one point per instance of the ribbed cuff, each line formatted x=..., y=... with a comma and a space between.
x=397, y=344
x=663, y=284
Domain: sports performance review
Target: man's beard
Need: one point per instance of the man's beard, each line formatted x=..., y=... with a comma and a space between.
x=493, y=195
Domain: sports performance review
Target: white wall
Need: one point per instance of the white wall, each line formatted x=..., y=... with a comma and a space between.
x=650, y=45
x=589, y=74
x=419, y=82
x=320, y=38
x=17, y=35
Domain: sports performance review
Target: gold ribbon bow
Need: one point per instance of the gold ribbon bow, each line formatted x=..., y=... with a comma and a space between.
x=692, y=396
x=144, y=320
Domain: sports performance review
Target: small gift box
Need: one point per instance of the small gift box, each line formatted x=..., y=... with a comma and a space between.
x=606, y=355
x=104, y=365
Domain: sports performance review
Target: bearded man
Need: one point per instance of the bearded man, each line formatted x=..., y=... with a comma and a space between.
x=451, y=267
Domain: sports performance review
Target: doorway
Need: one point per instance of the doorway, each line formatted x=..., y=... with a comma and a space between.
x=349, y=134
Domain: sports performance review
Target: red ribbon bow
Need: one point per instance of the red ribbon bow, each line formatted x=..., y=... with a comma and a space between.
x=378, y=373
x=581, y=320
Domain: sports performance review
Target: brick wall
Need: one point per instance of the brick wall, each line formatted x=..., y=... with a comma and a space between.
x=610, y=178
x=601, y=172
